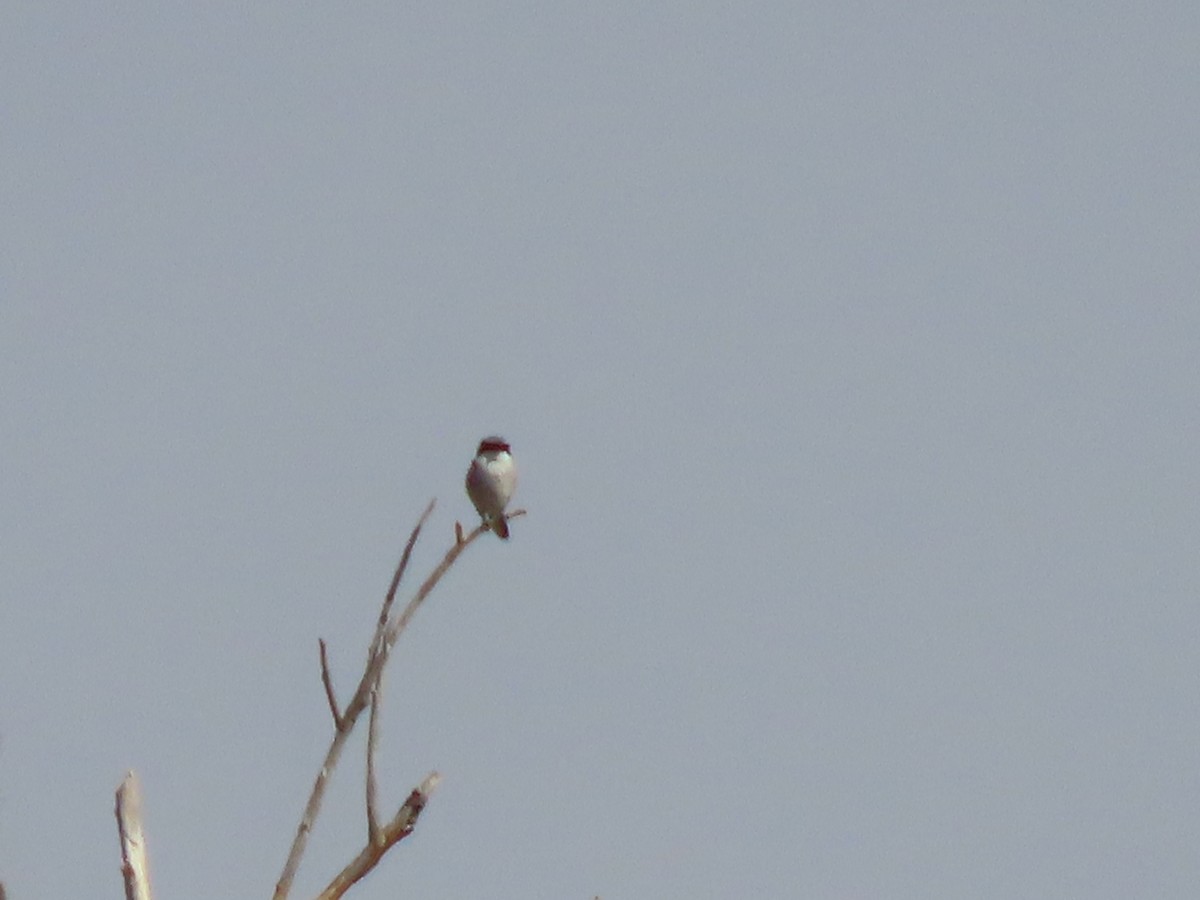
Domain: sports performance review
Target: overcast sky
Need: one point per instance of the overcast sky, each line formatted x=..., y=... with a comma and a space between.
x=849, y=354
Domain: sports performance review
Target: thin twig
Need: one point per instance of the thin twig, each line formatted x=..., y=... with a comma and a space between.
x=387, y=631
x=134, y=866
x=310, y=812
x=372, y=747
x=400, y=827
x=390, y=598
x=327, y=680
x=348, y=718
x=381, y=648
x=397, y=627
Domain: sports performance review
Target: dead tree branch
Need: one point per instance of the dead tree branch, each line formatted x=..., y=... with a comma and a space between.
x=134, y=866
x=380, y=838
x=372, y=781
x=400, y=827
x=327, y=680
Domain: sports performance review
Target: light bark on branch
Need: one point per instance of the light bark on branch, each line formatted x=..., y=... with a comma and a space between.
x=380, y=837
x=134, y=865
x=400, y=827
x=343, y=725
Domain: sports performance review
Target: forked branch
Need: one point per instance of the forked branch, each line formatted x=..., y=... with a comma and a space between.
x=400, y=827
x=380, y=837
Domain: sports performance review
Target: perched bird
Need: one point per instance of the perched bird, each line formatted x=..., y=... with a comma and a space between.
x=491, y=481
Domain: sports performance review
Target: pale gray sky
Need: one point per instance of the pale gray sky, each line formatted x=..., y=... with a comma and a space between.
x=849, y=352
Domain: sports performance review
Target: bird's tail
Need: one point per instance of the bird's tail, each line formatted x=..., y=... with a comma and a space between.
x=500, y=526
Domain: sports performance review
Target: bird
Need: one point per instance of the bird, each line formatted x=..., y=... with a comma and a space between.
x=491, y=481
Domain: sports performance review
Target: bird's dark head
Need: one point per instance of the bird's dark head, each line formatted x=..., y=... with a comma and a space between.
x=493, y=444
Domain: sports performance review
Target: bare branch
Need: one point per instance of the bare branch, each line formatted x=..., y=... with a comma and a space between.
x=397, y=627
x=310, y=813
x=348, y=717
x=327, y=680
x=387, y=631
x=382, y=647
x=134, y=866
x=372, y=747
x=400, y=827
x=390, y=598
